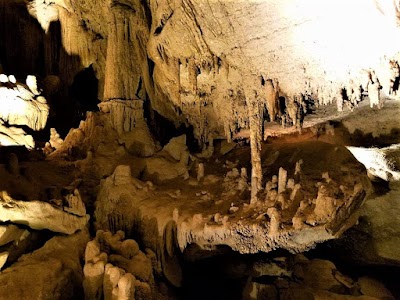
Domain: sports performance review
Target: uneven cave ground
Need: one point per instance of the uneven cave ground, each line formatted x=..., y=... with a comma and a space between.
x=218, y=272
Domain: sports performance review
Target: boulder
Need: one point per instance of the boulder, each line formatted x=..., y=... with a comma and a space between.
x=176, y=147
x=373, y=288
x=159, y=169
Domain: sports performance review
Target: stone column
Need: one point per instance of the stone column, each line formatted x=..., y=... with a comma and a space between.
x=255, y=119
x=122, y=74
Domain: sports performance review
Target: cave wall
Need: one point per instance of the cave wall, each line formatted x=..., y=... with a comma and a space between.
x=198, y=61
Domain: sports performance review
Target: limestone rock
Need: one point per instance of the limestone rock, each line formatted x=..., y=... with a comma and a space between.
x=92, y=250
x=382, y=229
x=226, y=147
x=9, y=233
x=139, y=265
x=318, y=274
x=51, y=84
x=3, y=258
x=12, y=165
x=93, y=280
x=177, y=148
x=159, y=169
x=39, y=215
x=116, y=197
x=10, y=136
x=139, y=142
x=112, y=276
x=20, y=107
x=51, y=272
x=254, y=290
x=373, y=288
x=55, y=140
x=75, y=204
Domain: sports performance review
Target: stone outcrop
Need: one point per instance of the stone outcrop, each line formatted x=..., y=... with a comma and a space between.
x=51, y=272
x=41, y=215
x=23, y=105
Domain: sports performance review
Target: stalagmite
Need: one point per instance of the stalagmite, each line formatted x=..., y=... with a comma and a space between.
x=32, y=84
x=200, y=171
x=255, y=120
x=282, y=180
x=275, y=222
x=243, y=173
x=3, y=78
x=74, y=204
x=12, y=79
x=128, y=248
x=92, y=250
x=126, y=287
x=55, y=140
x=294, y=192
x=298, y=167
x=93, y=280
x=112, y=276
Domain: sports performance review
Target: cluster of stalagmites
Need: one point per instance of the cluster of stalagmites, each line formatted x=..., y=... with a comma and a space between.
x=22, y=104
x=115, y=268
x=283, y=195
x=371, y=84
x=282, y=210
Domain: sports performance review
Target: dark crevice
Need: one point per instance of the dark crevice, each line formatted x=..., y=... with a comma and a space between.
x=125, y=6
x=147, y=11
x=163, y=21
x=151, y=65
x=163, y=130
x=158, y=30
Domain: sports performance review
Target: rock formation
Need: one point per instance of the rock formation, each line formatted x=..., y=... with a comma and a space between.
x=39, y=215
x=128, y=273
x=178, y=131
x=21, y=105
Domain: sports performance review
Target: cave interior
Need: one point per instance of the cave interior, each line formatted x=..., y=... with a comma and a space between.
x=195, y=149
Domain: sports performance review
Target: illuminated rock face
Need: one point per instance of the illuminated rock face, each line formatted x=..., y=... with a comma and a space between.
x=198, y=61
x=204, y=49
x=41, y=215
x=21, y=104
